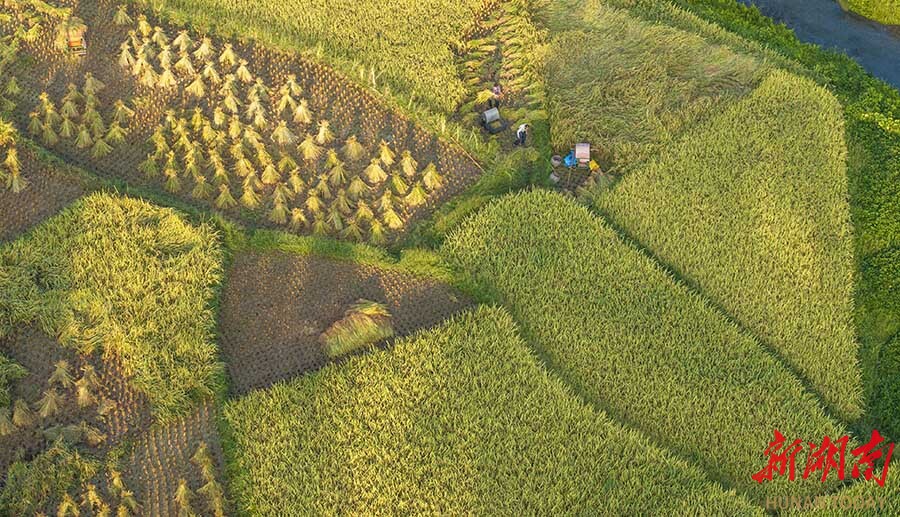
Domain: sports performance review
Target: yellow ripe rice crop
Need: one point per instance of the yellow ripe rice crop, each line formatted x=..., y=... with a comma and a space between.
x=752, y=208
x=457, y=420
x=629, y=87
x=122, y=278
x=634, y=341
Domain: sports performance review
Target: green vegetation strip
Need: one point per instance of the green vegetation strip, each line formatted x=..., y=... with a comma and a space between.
x=882, y=11
x=121, y=277
x=752, y=208
x=628, y=86
x=457, y=420
x=631, y=339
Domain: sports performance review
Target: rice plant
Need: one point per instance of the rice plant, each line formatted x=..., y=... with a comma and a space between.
x=281, y=166
x=364, y=323
x=10, y=371
x=127, y=279
x=456, y=420
x=752, y=208
x=10, y=168
x=635, y=342
x=183, y=497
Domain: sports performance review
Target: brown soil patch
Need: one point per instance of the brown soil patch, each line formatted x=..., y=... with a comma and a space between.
x=162, y=457
x=38, y=353
x=275, y=306
x=49, y=190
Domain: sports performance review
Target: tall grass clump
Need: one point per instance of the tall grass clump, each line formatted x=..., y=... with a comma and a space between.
x=629, y=87
x=752, y=208
x=632, y=340
x=461, y=419
x=125, y=279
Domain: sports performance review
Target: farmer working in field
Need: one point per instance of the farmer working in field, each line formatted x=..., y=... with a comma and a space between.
x=522, y=134
x=494, y=101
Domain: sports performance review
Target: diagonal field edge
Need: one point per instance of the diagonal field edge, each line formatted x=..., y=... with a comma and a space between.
x=614, y=415
x=770, y=350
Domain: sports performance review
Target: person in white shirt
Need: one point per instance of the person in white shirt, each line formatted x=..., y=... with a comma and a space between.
x=522, y=134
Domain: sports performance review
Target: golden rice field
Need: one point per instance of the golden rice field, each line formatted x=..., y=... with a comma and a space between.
x=362, y=437
x=635, y=342
x=405, y=43
x=261, y=258
x=751, y=207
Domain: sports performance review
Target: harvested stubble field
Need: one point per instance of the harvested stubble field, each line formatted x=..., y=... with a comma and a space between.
x=632, y=340
x=275, y=306
x=266, y=136
x=49, y=190
x=751, y=207
x=128, y=412
x=163, y=456
x=362, y=436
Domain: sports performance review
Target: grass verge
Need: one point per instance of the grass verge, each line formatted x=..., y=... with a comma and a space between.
x=882, y=11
